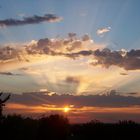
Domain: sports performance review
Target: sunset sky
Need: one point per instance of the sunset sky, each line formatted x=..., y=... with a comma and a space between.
x=82, y=48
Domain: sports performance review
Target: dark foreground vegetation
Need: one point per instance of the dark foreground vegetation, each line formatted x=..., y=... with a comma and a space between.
x=57, y=127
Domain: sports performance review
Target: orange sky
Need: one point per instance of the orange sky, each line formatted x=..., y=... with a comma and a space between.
x=77, y=114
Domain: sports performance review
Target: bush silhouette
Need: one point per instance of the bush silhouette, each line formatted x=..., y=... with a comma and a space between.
x=17, y=127
x=53, y=127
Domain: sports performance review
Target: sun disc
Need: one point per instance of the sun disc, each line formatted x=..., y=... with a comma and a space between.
x=66, y=109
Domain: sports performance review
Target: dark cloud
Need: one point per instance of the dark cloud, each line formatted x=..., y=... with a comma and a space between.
x=72, y=79
x=72, y=36
x=9, y=74
x=75, y=44
x=111, y=99
x=69, y=47
x=80, y=53
x=133, y=53
x=123, y=73
x=30, y=20
x=107, y=58
x=133, y=93
x=85, y=52
x=41, y=47
x=8, y=52
x=86, y=37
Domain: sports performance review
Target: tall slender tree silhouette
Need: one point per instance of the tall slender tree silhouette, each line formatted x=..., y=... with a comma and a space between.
x=2, y=103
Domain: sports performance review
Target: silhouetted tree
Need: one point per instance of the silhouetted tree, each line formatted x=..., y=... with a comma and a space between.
x=2, y=103
x=53, y=127
x=57, y=127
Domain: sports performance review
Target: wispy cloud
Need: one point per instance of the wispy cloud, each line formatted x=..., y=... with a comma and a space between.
x=30, y=20
x=9, y=74
x=123, y=73
x=72, y=79
x=102, y=31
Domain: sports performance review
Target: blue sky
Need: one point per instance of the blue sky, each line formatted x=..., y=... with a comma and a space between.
x=80, y=16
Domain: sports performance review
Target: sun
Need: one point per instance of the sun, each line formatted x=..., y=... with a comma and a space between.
x=66, y=109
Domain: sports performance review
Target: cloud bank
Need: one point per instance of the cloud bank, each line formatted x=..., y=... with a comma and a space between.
x=110, y=99
x=30, y=20
x=72, y=47
x=128, y=60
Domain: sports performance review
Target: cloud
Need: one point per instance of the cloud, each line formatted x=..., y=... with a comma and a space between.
x=71, y=47
x=102, y=31
x=73, y=83
x=133, y=93
x=107, y=58
x=47, y=46
x=123, y=73
x=111, y=99
x=30, y=20
x=9, y=74
x=8, y=53
x=102, y=107
x=72, y=79
x=80, y=53
x=86, y=37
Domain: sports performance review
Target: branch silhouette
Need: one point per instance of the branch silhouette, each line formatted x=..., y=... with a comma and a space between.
x=2, y=102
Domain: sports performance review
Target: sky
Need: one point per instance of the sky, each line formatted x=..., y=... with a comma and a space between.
x=80, y=48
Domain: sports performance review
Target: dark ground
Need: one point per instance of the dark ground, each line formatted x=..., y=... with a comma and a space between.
x=56, y=127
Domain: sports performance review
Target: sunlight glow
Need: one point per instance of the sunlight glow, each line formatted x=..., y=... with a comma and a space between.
x=66, y=109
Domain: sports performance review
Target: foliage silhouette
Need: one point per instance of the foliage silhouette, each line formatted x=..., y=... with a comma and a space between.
x=2, y=103
x=57, y=127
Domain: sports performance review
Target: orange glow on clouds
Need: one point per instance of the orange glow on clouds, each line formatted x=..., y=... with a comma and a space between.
x=18, y=108
x=74, y=114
